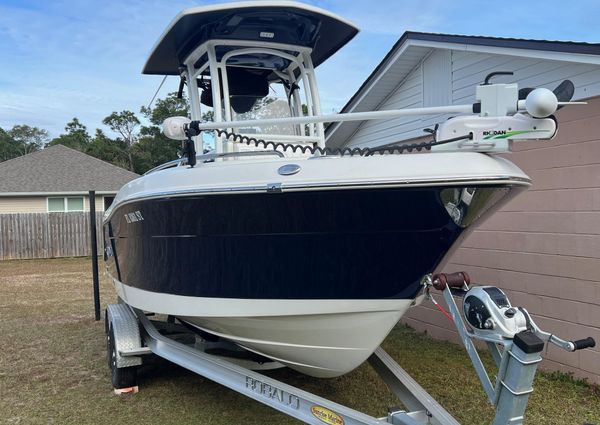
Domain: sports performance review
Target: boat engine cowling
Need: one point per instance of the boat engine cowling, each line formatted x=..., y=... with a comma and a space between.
x=488, y=311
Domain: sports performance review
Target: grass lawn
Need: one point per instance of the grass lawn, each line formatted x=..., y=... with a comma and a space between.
x=53, y=368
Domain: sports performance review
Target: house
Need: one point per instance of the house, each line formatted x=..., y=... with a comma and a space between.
x=543, y=248
x=58, y=179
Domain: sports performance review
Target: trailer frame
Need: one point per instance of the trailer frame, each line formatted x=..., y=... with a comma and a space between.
x=137, y=335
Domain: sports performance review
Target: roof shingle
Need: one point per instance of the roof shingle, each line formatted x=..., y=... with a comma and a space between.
x=61, y=169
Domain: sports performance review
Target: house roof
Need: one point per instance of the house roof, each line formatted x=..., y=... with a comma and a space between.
x=413, y=47
x=59, y=169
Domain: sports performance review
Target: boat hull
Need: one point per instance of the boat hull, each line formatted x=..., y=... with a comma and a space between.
x=329, y=244
x=314, y=279
x=321, y=338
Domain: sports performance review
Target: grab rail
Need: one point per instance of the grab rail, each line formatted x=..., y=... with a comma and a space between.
x=210, y=156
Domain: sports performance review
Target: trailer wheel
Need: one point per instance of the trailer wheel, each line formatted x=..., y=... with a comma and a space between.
x=123, y=377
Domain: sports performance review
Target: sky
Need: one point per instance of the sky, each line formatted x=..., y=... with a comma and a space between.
x=61, y=59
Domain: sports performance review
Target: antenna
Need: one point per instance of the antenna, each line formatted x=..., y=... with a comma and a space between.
x=157, y=90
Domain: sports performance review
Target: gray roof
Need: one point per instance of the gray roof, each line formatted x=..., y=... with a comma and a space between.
x=59, y=169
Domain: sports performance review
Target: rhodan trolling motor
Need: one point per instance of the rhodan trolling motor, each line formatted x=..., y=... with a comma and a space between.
x=501, y=114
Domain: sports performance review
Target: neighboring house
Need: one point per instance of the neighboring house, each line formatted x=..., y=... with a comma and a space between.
x=543, y=248
x=58, y=179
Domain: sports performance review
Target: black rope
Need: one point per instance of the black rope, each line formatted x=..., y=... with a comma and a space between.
x=239, y=138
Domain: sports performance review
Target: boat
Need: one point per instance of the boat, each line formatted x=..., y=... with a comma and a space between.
x=270, y=240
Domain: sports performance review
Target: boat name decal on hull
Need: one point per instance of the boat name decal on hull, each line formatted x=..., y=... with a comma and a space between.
x=133, y=217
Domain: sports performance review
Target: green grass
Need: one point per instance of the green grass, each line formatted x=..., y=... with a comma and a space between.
x=53, y=368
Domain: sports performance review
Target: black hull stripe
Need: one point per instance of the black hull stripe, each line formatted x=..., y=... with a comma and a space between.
x=344, y=244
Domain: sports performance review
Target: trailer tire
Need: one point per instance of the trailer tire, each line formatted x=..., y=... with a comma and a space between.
x=121, y=377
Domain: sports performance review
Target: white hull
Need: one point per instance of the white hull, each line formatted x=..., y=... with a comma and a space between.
x=322, y=338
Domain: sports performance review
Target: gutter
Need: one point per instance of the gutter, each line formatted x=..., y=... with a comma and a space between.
x=74, y=193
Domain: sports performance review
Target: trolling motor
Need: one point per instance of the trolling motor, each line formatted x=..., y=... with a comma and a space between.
x=502, y=114
x=506, y=114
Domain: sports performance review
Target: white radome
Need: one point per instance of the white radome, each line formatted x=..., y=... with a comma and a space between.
x=174, y=127
x=541, y=103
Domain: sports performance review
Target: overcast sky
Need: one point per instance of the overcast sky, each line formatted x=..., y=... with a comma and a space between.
x=67, y=58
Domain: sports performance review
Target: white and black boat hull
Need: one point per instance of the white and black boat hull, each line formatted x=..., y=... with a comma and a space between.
x=313, y=277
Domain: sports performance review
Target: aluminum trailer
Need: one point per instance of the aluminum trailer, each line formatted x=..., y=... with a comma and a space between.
x=131, y=334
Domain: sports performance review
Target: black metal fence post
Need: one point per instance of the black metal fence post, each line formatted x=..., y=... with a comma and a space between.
x=94, y=247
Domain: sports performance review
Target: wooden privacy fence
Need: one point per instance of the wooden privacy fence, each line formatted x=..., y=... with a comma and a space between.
x=47, y=235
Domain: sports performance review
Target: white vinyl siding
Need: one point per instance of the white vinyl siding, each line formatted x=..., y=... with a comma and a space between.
x=409, y=94
x=437, y=78
x=39, y=204
x=437, y=85
x=469, y=70
x=33, y=204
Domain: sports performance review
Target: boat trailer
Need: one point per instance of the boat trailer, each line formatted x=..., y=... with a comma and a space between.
x=513, y=339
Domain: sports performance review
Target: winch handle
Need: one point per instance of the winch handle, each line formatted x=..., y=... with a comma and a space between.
x=580, y=344
x=453, y=280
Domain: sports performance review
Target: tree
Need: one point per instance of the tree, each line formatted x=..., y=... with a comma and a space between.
x=170, y=106
x=125, y=123
x=75, y=137
x=110, y=150
x=28, y=139
x=21, y=140
x=9, y=148
x=153, y=147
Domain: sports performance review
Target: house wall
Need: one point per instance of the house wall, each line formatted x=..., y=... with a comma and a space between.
x=34, y=204
x=543, y=248
x=38, y=204
x=450, y=76
x=99, y=203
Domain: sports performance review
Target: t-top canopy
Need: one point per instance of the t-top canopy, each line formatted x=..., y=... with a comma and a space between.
x=273, y=21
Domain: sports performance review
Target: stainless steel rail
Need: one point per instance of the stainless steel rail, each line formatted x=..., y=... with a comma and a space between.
x=211, y=156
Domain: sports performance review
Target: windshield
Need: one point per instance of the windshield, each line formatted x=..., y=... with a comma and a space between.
x=274, y=105
x=232, y=91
